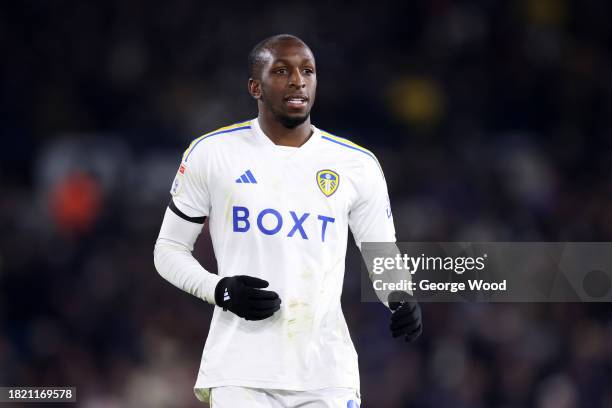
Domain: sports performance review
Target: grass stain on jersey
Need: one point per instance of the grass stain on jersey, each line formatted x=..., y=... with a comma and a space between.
x=299, y=319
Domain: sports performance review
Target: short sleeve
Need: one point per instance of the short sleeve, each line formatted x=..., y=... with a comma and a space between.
x=370, y=217
x=189, y=189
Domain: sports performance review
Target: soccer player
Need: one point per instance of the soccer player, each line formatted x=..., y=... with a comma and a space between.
x=279, y=195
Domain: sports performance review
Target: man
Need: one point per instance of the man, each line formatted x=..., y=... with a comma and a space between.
x=279, y=195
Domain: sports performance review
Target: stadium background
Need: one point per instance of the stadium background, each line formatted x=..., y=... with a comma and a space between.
x=491, y=121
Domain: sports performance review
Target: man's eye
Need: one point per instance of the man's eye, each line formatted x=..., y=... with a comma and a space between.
x=281, y=71
x=308, y=71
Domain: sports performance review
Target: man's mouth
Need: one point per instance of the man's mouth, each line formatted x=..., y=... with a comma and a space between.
x=296, y=101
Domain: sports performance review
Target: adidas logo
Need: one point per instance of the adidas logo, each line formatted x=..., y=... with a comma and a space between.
x=247, y=178
x=226, y=295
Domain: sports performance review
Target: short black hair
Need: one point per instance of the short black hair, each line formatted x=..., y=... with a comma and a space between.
x=257, y=57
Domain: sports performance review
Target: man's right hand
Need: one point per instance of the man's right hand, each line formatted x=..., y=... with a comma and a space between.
x=243, y=295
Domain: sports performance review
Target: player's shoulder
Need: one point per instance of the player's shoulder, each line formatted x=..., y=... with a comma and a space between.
x=342, y=145
x=216, y=138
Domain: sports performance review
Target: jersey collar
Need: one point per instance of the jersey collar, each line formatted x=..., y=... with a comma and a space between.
x=261, y=136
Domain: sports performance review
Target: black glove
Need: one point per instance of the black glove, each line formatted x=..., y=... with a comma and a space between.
x=243, y=296
x=406, y=319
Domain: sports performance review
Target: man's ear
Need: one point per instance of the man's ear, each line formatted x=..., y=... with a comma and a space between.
x=255, y=88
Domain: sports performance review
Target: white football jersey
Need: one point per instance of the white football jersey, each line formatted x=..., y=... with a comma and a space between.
x=282, y=214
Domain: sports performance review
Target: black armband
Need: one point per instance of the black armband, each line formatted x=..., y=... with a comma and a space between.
x=174, y=209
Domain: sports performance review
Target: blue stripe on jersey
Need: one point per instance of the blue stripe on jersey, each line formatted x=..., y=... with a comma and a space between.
x=214, y=134
x=353, y=146
x=348, y=145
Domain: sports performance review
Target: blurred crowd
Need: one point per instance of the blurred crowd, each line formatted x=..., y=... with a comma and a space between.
x=492, y=121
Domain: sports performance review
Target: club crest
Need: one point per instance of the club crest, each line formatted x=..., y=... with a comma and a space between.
x=328, y=181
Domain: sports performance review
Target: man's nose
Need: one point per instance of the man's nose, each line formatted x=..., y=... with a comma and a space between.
x=297, y=79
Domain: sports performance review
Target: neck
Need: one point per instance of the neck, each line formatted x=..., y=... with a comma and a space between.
x=283, y=136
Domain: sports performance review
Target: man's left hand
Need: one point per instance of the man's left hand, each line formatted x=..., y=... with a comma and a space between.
x=406, y=319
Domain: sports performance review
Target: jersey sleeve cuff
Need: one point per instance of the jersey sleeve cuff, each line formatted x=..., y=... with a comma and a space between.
x=209, y=292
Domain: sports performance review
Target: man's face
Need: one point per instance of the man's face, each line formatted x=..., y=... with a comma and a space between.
x=288, y=82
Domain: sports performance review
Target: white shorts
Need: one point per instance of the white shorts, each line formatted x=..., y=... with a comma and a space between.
x=238, y=397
